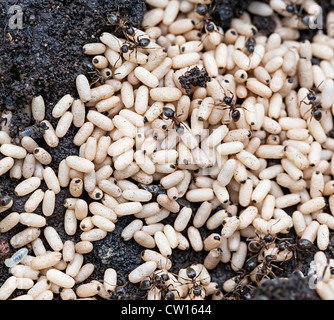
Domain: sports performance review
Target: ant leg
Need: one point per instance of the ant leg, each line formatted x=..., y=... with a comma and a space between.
x=3, y=119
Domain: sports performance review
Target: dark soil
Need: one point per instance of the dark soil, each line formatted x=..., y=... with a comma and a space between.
x=44, y=58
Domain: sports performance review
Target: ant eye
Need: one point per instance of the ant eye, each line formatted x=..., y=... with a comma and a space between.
x=144, y=42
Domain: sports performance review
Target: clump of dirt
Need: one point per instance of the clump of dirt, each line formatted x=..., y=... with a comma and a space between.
x=296, y=287
x=193, y=78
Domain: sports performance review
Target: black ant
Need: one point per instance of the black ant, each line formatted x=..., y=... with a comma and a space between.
x=170, y=114
x=242, y=292
x=158, y=281
x=134, y=45
x=265, y=268
x=294, y=10
x=93, y=73
x=315, y=105
x=115, y=19
x=206, y=12
x=141, y=43
x=256, y=245
x=250, y=45
x=228, y=104
x=196, y=288
x=301, y=244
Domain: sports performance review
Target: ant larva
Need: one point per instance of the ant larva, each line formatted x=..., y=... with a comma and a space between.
x=315, y=108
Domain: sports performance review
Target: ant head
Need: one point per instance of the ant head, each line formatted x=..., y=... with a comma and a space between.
x=130, y=31
x=228, y=100
x=270, y=257
x=201, y=9
x=317, y=114
x=269, y=238
x=197, y=292
x=290, y=8
x=180, y=130
x=168, y=112
x=112, y=18
x=191, y=273
x=120, y=293
x=210, y=27
x=124, y=48
x=311, y=95
x=165, y=277
x=282, y=246
x=89, y=66
x=250, y=48
x=144, y=42
x=305, y=20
